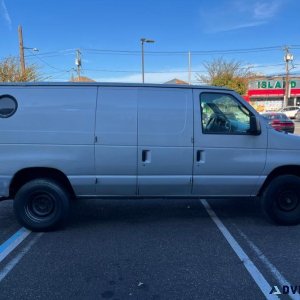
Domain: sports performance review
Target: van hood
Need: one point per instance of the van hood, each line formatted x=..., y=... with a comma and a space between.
x=282, y=140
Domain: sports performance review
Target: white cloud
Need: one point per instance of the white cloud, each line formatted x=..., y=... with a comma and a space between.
x=268, y=70
x=234, y=15
x=266, y=9
x=236, y=26
x=5, y=14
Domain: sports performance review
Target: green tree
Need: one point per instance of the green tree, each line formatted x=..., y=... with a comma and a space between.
x=230, y=74
x=10, y=71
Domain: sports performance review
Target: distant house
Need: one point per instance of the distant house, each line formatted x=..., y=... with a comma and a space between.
x=81, y=79
x=176, y=81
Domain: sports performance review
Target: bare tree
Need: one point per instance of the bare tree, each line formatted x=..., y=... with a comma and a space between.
x=10, y=71
x=229, y=74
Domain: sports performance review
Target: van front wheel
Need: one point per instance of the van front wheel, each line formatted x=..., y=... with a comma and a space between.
x=281, y=200
x=41, y=205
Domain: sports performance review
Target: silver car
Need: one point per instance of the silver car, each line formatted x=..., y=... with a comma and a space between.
x=290, y=111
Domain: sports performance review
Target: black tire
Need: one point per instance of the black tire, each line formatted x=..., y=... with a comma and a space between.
x=42, y=205
x=281, y=200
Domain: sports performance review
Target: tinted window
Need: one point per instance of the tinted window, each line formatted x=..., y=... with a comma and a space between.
x=222, y=113
x=8, y=106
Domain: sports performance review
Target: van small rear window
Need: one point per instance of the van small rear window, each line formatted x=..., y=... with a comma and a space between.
x=8, y=106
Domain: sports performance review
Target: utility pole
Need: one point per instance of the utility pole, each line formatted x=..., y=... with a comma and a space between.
x=78, y=62
x=21, y=47
x=288, y=57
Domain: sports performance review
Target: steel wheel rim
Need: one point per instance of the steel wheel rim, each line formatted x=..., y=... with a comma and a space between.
x=288, y=201
x=41, y=206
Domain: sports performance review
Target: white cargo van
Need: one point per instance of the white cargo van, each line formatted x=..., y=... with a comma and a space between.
x=64, y=140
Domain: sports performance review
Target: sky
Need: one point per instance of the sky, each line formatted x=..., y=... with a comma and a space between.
x=108, y=33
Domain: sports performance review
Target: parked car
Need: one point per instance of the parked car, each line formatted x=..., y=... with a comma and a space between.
x=290, y=111
x=280, y=122
x=297, y=117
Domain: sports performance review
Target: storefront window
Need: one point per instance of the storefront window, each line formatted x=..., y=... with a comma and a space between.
x=291, y=101
x=267, y=104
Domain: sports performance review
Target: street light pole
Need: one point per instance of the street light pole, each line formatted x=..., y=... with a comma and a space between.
x=190, y=67
x=144, y=40
x=143, y=71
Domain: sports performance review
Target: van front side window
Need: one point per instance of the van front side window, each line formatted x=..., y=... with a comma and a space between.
x=223, y=114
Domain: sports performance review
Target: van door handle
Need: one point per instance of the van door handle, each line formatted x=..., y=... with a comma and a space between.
x=146, y=156
x=199, y=156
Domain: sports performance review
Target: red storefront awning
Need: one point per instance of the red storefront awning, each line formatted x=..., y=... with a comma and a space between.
x=272, y=92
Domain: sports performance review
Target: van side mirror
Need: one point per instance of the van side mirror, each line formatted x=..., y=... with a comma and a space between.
x=254, y=126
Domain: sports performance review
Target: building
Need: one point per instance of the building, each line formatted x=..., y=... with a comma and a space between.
x=176, y=81
x=81, y=79
x=267, y=94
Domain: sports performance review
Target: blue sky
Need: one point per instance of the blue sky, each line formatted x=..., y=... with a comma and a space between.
x=58, y=28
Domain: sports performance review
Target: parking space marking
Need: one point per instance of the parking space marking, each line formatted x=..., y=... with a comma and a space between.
x=15, y=261
x=8, y=246
x=257, y=276
x=280, y=278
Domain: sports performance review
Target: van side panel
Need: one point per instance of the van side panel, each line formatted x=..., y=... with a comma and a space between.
x=116, y=147
x=52, y=127
x=165, y=141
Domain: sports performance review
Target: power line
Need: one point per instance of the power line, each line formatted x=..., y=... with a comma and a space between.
x=54, y=53
x=46, y=63
x=149, y=72
x=41, y=56
x=197, y=52
x=137, y=52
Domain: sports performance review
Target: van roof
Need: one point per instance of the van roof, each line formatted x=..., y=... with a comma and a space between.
x=111, y=84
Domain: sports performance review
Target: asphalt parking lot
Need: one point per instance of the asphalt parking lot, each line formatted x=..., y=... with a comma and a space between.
x=151, y=249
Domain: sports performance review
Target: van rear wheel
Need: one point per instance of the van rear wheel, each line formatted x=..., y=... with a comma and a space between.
x=281, y=200
x=42, y=205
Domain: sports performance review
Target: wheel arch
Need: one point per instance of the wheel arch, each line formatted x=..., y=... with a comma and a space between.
x=282, y=170
x=27, y=174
